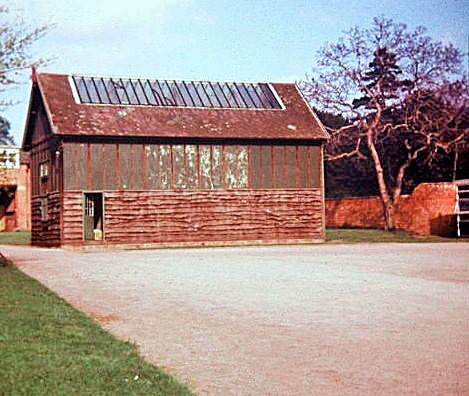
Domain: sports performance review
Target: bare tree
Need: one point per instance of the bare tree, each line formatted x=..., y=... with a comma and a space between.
x=391, y=84
x=16, y=40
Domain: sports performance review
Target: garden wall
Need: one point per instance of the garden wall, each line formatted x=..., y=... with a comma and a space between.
x=429, y=210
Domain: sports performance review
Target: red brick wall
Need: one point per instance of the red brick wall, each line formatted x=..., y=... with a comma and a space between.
x=427, y=211
x=20, y=219
x=23, y=199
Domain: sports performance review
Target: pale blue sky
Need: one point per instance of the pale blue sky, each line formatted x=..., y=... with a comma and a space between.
x=256, y=40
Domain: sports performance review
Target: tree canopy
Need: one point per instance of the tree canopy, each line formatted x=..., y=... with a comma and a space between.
x=404, y=98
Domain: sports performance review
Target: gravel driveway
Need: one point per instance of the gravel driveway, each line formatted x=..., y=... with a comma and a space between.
x=387, y=319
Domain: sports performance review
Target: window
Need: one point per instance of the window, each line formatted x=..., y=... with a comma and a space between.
x=43, y=170
x=218, y=95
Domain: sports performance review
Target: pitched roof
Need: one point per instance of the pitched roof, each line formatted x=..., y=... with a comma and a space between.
x=295, y=120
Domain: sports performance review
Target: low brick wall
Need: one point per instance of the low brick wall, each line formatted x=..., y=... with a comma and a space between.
x=429, y=210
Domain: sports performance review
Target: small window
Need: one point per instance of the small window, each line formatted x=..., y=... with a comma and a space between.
x=43, y=170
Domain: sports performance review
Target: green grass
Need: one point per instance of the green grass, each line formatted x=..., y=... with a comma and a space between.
x=15, y=238
x=49, y=348
x=334, y=235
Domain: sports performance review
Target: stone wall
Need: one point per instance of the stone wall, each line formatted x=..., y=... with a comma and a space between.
x=429, y=210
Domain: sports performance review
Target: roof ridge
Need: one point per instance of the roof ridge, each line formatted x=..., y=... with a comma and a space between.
x=91, y=75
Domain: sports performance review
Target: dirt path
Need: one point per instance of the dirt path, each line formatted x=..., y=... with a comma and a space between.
x=345, y=319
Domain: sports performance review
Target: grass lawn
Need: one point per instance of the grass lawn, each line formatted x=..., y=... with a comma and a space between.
x=49, y=348
x=335, y=235
x=15, y=238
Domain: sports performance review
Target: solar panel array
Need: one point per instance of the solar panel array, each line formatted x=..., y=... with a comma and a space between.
x=145, y=92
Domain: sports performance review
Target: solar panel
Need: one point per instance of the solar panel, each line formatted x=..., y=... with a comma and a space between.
x=164, y=93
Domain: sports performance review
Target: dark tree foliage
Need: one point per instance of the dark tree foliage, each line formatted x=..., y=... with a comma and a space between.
x=5, y=137
x=352, y=176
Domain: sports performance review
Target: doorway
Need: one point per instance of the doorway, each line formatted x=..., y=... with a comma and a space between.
x=93, y=216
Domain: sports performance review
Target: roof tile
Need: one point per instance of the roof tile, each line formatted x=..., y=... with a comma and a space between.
x=297, y=121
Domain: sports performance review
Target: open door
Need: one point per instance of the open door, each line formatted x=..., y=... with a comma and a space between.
x=93, y=217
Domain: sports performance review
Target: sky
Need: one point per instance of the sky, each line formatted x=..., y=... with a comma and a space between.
x=223, y=40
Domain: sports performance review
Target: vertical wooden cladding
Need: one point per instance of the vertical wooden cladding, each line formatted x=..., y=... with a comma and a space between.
x=110, y=177
x=98, y=166
x=125, y=167
x=158, y=166
x=179, y=168
x=44, y=155
x=266, y=167
x=191, y=166
x=291, y=167
x=205, y=165
x=109, y=166
x=216, y=167
x=237, y=167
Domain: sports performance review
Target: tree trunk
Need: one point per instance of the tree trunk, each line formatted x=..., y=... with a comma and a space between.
x=389, y=207
x=386, y=199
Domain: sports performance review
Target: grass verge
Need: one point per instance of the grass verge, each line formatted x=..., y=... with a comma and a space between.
x=49, y=348
x=335, y=235
x=15, y=238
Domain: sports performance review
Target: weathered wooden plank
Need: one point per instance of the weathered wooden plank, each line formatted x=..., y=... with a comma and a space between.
x=72, y=217
x=46, y=232
x=137, y=168
x=231, y=166
x=243, y=165
x=315, y=164
x=191, y=166
x=266, y=166
x=165, y=216
x=278, y=155
x=290, y=167
x=302, y=158
x=256, y=164
x=178, y=166
x=165, y=168
x=110, y=181
x=97, y=166
x=152, y=177
x=205, y=161
x=217, y=167
x=125, y=166
x=82, y=165
x=308, y=167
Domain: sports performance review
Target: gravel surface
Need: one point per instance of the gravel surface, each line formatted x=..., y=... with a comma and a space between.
x=387, y=319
